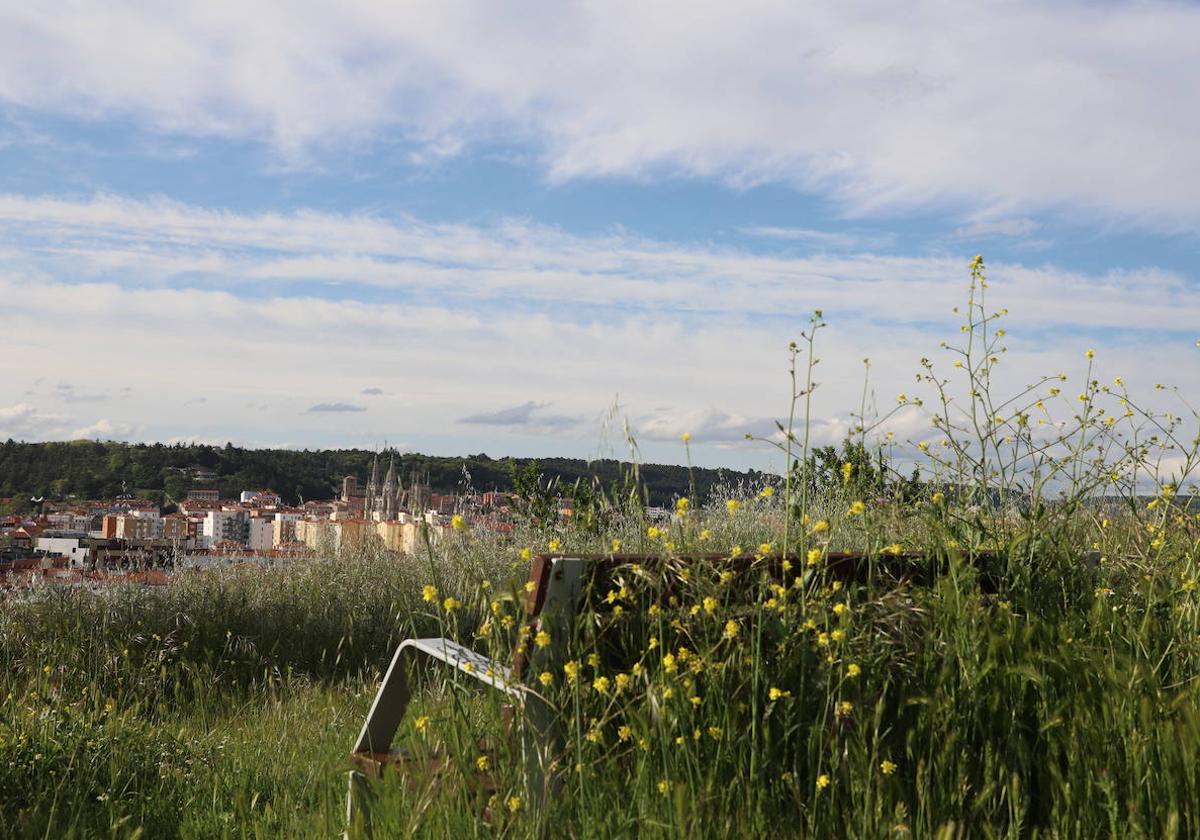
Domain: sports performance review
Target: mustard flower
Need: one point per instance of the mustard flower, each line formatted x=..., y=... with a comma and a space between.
x=624, y=733
x=822, y=781
x=616, y=546
x=731, y=629
x=778, y=693
x=481, y=763
x=837, y=635
x=600, y=684
x=623, y=681
x=813, y=557
x=421, y=723
x=514, y=804
x=542, y=639
x=887, y=767
x=710, y=604
x=429, y=593
x=451, y=604
x=545, y=678
x=571, y=669
x=852, y=670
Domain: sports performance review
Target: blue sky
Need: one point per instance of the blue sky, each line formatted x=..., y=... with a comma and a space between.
x=463, y=227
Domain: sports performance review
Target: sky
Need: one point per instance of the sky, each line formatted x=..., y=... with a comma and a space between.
x=523, y=228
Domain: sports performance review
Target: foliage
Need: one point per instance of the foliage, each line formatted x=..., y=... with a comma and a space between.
x=94, y=469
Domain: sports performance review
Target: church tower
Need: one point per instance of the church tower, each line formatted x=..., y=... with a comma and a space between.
x=389, y=492
x=371, y=503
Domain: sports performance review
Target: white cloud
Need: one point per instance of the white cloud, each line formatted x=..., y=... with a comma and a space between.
x=451, y=321
x=1002, y=106
x=105, y=429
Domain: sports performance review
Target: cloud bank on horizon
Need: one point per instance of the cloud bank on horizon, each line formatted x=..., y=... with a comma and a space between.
x=500, y=225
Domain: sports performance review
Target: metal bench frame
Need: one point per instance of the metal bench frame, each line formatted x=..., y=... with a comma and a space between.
x=553, y=604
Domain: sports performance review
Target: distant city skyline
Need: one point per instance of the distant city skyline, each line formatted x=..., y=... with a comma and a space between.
x=462, y=228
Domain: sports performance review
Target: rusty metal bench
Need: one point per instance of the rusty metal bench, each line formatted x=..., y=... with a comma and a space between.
x=556, y=589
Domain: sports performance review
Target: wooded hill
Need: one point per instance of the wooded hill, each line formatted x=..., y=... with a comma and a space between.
x=86, y=469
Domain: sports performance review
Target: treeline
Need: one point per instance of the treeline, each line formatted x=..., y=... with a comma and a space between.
x=86, y=469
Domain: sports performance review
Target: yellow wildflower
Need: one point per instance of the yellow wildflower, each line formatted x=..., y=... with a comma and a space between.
x=848, y=471
x=514, y=804
x=451, y=604
x=852, y=670
x=571, y=669
x=732, y=505
x=458, y=523
x=554, y=544
x=526, y=554
x=820, y=526
x=623, y=681
x=837, y=635
x=421, y=723
x=731, y=629
x=481, y=763
x=887, y=767
x=542, y=639
x=778, y=693
x=822, y=781
x=616, y=546
x=600, y=684
x=624, y=733
x=545, y=678
x=429, y=593
x=710, y=604
x=767, y=492
x=857, y=508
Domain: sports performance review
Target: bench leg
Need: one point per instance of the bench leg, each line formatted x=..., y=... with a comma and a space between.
x=358, y=806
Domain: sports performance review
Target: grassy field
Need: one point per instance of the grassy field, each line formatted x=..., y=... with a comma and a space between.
x=1064, y=704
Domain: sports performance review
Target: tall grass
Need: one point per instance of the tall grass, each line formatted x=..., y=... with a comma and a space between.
x=1040, y=696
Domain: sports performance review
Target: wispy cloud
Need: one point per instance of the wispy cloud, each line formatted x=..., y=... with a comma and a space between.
x=335, y=408
x=967, y=105
x=531, y=310
x=825, y=240
x=529, y=414
x=1003, y=227
x=372, y=392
